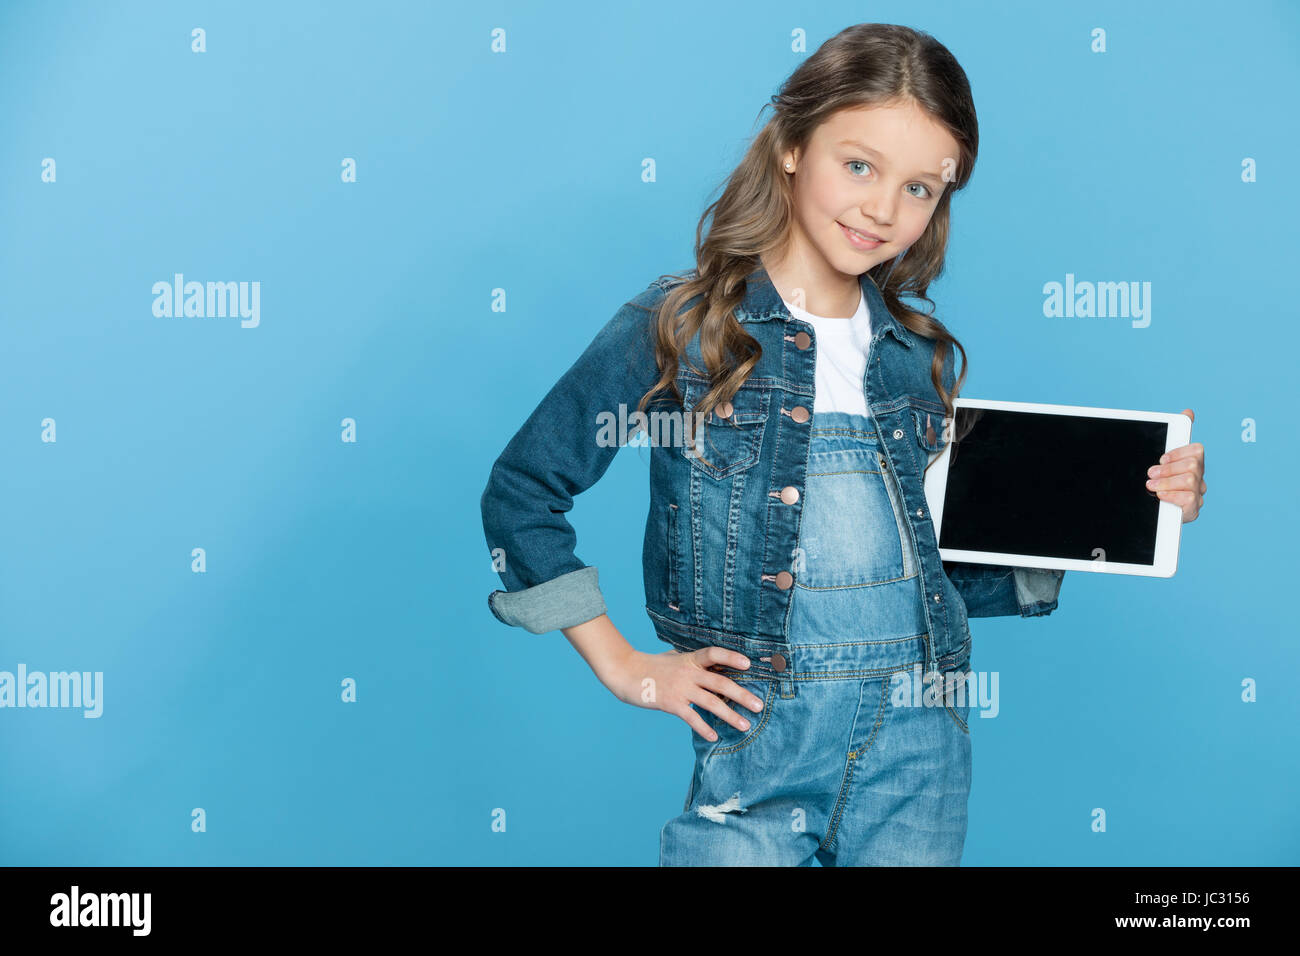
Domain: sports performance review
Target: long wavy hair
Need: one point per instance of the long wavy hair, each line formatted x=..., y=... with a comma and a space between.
x=868, y=64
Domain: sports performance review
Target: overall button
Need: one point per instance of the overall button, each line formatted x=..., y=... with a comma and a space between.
x=778, y=662
x=789, y=494
x=802, y=340
x=800, y=414
x=784, y=580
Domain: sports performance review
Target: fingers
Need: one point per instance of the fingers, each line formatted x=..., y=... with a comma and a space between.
x=711, y=687
x=716, y=705
x=1177, y=466
x=1184, y=471
x=1188, y=499
x=697, y=723
x=1183, y=479
x=1180, y=479
x=1195, y=450
x=726, y=687
x=1165, y=493
x=709, y=656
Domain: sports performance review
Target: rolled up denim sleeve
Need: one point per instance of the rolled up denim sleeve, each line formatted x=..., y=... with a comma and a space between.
x=992, y=590
x=557, y=454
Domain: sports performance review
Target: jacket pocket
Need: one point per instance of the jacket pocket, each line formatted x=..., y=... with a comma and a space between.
x=929, y=427
x=722, y=445
x=673, y=602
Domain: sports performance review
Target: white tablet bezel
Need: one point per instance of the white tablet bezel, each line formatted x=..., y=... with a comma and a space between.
x=1170, y=520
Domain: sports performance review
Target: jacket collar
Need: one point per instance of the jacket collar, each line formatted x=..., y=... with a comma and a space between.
x=762, y=302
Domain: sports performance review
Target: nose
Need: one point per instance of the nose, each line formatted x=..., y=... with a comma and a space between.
x=878, y=206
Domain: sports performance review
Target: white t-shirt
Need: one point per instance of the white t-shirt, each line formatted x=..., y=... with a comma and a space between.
x=842, y=351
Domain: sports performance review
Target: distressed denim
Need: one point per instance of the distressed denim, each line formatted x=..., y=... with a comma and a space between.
x=719, y=554
x=839, y=766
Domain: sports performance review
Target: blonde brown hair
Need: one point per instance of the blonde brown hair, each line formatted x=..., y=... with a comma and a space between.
x=869, y=64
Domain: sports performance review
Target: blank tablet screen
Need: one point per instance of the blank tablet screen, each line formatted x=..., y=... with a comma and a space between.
x=1058, y=486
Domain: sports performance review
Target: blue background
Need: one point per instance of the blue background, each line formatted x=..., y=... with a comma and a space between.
x=522, y=171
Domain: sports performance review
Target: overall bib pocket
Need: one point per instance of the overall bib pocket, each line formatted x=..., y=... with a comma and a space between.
x=851, y=533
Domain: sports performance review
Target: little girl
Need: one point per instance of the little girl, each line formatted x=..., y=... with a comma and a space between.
x=793, y=402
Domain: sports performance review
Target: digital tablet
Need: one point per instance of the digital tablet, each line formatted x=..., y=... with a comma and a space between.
x=1055, y=486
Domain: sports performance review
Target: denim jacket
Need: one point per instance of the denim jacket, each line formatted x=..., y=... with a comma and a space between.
x=720, y=554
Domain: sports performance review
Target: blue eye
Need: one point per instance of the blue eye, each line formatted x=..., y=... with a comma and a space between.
x=858, y=162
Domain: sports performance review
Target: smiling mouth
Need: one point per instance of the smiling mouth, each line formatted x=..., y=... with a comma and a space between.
x=864, y=236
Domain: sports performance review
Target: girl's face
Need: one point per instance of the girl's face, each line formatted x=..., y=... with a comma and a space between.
x=877, y=170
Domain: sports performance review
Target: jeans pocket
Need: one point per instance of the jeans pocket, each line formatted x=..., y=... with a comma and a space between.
x=732, y=739
x=960, y=715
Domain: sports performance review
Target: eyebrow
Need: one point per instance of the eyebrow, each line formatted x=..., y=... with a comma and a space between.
x=933, y=177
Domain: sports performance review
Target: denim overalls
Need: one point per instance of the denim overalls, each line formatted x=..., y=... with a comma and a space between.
x=846, y=762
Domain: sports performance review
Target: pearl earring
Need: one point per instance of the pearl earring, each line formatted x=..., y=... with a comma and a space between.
x=787, y=165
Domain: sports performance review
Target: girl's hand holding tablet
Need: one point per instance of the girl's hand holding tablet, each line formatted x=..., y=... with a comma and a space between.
x=1179, y=476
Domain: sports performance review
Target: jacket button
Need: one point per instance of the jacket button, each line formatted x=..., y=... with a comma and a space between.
x=800, y=414
x=898, y=433
x=725, y=410
x=920, y=512
x=938, y=598
x=778, y=662
x=784, y=579
x=789, y=494
x=802, y=340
